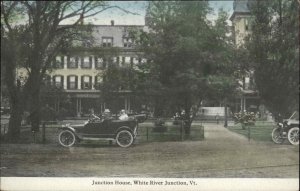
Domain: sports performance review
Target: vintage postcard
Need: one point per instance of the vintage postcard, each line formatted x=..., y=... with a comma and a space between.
x=150, y=95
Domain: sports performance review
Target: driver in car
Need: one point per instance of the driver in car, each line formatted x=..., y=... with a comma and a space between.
x=93, y=116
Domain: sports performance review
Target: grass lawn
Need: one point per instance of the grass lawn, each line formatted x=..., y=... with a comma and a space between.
x=261, y=131
x=172, y=133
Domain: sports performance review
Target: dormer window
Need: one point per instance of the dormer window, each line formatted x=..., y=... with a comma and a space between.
x=127, y=42
x=107, y=41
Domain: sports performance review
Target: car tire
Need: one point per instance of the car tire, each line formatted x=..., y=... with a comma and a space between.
x=124, y=138
x=293, y=136
x=276, y=136
x=67, y=138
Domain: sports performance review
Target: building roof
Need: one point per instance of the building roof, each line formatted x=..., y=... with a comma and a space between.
x=240, y=7
x=115, y=32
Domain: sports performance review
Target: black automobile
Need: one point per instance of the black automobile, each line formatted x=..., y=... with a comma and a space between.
x=123, y=132
x=287, y=129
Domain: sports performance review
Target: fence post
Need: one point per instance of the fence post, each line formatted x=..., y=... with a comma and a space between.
x=249, y=133
x=33, y=134
x=44, y=132
x=147, y=133
x=181, y=130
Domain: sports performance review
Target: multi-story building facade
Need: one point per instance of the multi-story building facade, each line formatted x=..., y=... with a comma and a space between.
x=241, y=24
x=79, y=71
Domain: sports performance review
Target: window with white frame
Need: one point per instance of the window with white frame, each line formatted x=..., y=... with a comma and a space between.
x=135, y=60
x=98, y=80
x=58, y=62
x=72, y=82
x=99, y=62
x=86, y=82
x=86, y=62
x=58, y=81
x=73, y=62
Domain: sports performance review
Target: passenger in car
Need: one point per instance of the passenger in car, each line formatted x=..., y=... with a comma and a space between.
x=123, y=115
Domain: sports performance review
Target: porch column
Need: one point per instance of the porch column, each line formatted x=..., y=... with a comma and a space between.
x=125, y=99
x=65, y=83
x=79, y=82
x=77, y=107
x=244, y=103
x=93, y=62
x=93, y=82
x=65, y=62
x=80, y=106
x=128, y=104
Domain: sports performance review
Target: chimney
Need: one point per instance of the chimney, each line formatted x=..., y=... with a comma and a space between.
x=112, y=22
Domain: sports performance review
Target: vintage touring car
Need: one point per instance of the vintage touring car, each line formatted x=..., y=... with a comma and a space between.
x=123, y=132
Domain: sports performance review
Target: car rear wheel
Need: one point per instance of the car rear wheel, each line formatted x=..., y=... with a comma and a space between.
x=293, y=136
x=277, y=136
x=67, y=138
x=124, y=138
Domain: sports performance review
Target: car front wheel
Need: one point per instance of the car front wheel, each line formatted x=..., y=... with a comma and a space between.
x=277, y=136
x=67, y=138
x=124, y=138
x=293, y=136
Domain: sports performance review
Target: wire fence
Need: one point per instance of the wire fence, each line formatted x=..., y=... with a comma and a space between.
x=151, y=130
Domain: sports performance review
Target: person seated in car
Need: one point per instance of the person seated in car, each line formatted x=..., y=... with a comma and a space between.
x=93, y=117
x=123, y=115
x=106, y=114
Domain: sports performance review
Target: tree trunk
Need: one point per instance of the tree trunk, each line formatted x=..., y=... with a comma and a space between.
x=159, y=107
x=187, y=122
x=226, y=115
x=34, y=103
x=15, y=121
x=35, y=112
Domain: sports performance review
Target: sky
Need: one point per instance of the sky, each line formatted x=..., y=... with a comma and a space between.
x=139, y=7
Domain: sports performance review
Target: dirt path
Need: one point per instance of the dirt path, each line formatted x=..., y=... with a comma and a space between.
x=221, y=154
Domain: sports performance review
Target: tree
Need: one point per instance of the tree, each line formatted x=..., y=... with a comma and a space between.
x=32, y=36
x=184, y=50
x=274, y=50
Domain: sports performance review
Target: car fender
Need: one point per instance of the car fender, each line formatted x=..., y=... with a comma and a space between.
x=70, y=129
x=124, y=128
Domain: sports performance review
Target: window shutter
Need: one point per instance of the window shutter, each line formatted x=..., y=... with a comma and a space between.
x=68, y=82
x=76, y=61
x=76, y=82
x=53, y=80
x=96, y=62
x=68, y=61
x=82, y=82
x=62, y=82
x=82, y=62
x=62, y=62
x=90, y=63
x=96, y=82
x=90, y=84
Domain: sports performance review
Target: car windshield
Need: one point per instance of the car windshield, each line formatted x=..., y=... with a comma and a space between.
x=295, y=115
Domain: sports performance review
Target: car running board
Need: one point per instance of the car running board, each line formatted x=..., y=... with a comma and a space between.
x=97, y=139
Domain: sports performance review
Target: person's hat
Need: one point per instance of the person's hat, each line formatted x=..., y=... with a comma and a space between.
x=106, y=110
x=123, y=110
